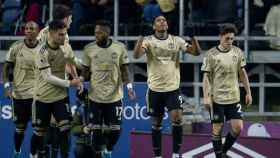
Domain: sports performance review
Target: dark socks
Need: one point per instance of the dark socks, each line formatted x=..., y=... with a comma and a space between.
x=230, y=140
x=18, y=138
x=217, y=145
x=177, y=132
x=36, y=144
x=156, y=137
x=64, y=140
x=113, y=137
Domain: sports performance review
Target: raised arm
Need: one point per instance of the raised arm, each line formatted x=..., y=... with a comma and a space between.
x=138, y=49
x=194, y=48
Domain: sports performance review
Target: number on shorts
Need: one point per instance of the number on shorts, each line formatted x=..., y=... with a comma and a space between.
x=119, y=110
x=239, y=108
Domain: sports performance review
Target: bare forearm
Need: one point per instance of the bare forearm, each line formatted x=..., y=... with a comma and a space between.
x=206, y=85
x=126, y=77
x=195, y=47
x=7, y=69
x=72, y=70
x=138, y=50
x=245, y=80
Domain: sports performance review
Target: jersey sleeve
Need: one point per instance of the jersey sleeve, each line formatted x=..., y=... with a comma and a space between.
x=242, y=60
x=69, y=53
x=182, y=44
x=124, y=56
x=42, y=58
x=85, y=58
x=11, y=55
x=207, y=63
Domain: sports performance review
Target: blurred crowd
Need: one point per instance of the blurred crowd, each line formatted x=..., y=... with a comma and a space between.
x=201, y=16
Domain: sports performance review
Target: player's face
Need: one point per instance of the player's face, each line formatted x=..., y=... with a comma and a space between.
x=68, y=21
x=31, y=30
x=160, y=24
x=226, y=40
x=101, y=33
x=59, y=36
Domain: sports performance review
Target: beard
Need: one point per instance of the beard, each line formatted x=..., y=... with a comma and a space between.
x=102, y=42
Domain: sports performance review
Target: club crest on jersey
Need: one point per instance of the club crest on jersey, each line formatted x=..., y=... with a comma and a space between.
x=114, y=55
x=170, y=45
x=21, y=54
x=234, y=58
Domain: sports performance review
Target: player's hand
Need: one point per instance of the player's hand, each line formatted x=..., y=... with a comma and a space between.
x=8, y=92
x=140, y=42
x=75, y=82
x=131, y=94
x=248, y=99
x=86, y=129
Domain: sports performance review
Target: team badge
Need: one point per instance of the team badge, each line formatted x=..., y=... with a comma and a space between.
x=114, y=55
x=170, y=45
x=234, y=59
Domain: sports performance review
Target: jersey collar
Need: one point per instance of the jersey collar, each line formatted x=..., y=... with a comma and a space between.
x=222, y=51
x=51, y=47
x=161, y=38
x=107, y=45
x=28, y=46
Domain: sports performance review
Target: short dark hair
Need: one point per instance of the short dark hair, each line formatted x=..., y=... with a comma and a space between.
x=56, y=25
x=61, y=11
x=103, y=23
x=228, y=28
x=154, y=18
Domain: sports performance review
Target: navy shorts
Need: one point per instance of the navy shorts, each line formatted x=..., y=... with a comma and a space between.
x=105, y=113
x=22, y=110
x=158, y=101
x=41, y=112
x=220, y=113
